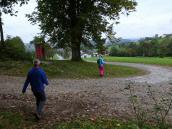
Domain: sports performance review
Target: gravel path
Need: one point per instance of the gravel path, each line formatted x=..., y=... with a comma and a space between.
x=157, y=74
x=68, y=98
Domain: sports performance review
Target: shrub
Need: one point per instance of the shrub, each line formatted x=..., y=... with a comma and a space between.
x=14, y=49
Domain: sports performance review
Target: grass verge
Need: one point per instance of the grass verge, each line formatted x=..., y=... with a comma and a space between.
x=100, y=124
x=9, y=120
x=68, y=69
x=166, y=61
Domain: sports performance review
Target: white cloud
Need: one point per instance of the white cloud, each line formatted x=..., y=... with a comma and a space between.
x=20, y=26
x=152, y=17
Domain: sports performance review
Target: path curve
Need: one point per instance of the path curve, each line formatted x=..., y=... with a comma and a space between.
x=156, y=74
x=68, y=98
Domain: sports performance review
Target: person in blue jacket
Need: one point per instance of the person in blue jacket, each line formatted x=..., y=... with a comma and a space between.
x=36, y=77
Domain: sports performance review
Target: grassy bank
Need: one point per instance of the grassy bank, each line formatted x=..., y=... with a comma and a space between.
x=166, y=61
x=9, y=120
x=67, y=69
x=100, y=124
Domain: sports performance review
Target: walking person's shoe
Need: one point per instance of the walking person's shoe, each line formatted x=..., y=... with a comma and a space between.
x=37, y=116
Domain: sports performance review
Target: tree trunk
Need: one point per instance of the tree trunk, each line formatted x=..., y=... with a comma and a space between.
x=76, y=54
x=1, y=33
x=76, y=43
x=76, y=31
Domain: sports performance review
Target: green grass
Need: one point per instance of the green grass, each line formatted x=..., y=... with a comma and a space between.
x=100, y=124
x=166, y=61
x=9, y=120
x=68, y=69
x=16, y=120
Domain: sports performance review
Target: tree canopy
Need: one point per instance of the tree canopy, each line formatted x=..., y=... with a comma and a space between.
x=15, y=49
x=70, y=23
x=149, y=47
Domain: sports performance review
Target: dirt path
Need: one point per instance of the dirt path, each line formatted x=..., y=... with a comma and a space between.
x=157, y=74
x=68, y=98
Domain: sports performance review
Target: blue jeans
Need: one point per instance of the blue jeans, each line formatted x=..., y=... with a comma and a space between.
x=40, y=101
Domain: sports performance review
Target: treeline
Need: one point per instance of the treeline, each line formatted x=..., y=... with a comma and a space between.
x=149, y=47
x=15, y=49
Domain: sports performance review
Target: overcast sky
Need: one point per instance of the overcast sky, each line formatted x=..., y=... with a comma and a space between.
x=151, y=17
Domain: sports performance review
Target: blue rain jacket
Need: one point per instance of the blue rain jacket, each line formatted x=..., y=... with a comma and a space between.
x=36, y=78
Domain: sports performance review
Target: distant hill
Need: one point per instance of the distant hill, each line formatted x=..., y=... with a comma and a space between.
x=128, y=40
x=120, y=41
x=29, y=47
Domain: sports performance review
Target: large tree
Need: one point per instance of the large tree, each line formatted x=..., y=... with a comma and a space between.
x=74, y=22
x=6, y=7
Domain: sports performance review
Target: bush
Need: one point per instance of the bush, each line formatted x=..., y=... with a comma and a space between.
x=14, y=49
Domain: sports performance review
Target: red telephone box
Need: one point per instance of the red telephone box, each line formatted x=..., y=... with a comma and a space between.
x=40, y=53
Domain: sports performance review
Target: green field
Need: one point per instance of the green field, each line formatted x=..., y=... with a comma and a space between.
x=67, y=69
x=166, y=61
